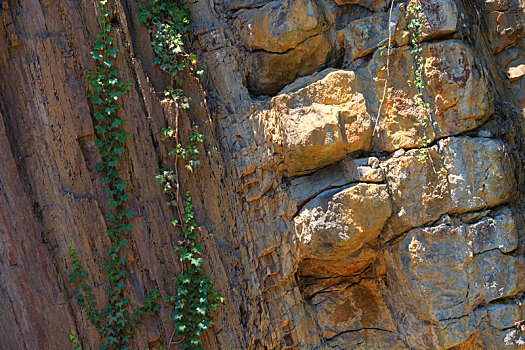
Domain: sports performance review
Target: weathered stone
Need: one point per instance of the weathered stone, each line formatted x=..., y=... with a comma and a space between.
x=281, y=25
x=399, y=123
x=369, y=4
x=497, y=5
x=268, y=72
x=353, y=308
x=363, y=36
x=322, y=121
x=517, y=72
x=466, y=160
x=439, y=276
x=498, y=275
x=434, y=263
x=419, y=194
x=439, y=17
x=456, y=331
x=254, y=178
x=457, y=86
x=504, y=315
x=422, y=192
x=505, y=28
x=304, y=188
x=338, y=222
x=490, y=233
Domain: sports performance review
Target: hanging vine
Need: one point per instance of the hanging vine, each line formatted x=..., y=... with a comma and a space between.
x=419, y=61
x=114, y=322
x=415, y=10
x=196, y=300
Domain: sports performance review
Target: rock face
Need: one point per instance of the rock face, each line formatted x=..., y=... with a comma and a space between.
x=335, y=211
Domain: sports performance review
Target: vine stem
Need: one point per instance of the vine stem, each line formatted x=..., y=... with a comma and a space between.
x=177, y=198
x=387, y=65
x=173, y=342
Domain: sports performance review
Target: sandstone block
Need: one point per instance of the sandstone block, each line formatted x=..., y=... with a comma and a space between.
x=419, y=194
x=323, y=118
x=505, y=27
x=399, y=121
x=352, y=307
x=440, y=278
x=498, y=275
x=479, y=172
x=434, y=263
x=363, y=36
x=516, y=72
x=304, y=188
x=504, y=315
x=455, y=87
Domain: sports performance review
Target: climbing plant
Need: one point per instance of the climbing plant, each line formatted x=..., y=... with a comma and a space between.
x=419, y=61
x=114, y=322
x=196, y=300
x=168, y=24
x=415, y=10
x=75, y=343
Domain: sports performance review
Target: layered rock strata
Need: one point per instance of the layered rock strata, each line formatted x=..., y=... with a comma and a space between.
x=335, y=212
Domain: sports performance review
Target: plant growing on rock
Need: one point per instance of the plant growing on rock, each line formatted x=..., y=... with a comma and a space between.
x=169, y=24
x=114, y=322
x=414, y=26
x=196, y=300
x=419, y=61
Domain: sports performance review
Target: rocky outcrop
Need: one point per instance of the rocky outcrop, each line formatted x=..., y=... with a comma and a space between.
x=335, y=210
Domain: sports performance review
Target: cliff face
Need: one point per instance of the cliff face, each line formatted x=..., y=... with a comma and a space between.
x=335, y=213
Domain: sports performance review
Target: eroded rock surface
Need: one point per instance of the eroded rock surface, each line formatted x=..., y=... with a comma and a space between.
x=336, y=211
x=358, y=198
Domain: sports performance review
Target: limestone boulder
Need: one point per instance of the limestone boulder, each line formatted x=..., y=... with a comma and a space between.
x=323, y=118
x=338, y=222
x=269, y=72
x=281, y=25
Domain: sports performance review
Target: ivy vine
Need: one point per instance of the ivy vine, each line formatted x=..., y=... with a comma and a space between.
x=196, y=300
x=416, y=50
x=419, y=61
x=168, y=23
x=114, y=322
